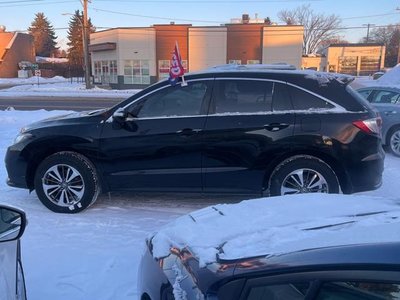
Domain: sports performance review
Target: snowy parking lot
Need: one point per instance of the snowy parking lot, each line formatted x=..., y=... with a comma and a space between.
x=95, y=254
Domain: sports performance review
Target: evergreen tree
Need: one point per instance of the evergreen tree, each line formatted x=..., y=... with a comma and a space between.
x=75, y=51
x=43, y=35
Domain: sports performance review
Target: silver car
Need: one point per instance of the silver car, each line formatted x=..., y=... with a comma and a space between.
x=12, y=226
x=387, y=101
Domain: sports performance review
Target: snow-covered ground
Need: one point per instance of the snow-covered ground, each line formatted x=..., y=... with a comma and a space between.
x=95, y=254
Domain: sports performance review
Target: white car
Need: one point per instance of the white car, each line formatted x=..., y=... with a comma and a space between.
x=12, y=226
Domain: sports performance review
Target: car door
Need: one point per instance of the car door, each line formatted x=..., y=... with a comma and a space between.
x=387, y=102
x=249, y=124
x=12, y=226
x=158, y=146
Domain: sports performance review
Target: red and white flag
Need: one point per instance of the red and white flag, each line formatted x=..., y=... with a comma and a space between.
x=176, y=69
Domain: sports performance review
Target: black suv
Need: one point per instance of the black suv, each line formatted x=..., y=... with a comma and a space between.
x=237, y=130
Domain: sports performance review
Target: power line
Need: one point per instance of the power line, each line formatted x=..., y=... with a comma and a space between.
x=370, y=16
x=31, y=3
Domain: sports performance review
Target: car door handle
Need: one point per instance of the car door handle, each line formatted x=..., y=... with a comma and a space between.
x=276, y=126
x=188, y=131
x=392, y=112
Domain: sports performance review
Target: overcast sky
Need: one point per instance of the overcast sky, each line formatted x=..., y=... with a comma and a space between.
x=18, y=14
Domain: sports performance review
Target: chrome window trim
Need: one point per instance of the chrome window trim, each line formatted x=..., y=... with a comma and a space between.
x=164, y=87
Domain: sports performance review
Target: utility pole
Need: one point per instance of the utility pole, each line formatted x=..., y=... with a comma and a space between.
x=85, y=33
x=368, y=26
x=398, y=52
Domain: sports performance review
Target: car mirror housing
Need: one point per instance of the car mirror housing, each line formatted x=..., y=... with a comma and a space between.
x=12, y=223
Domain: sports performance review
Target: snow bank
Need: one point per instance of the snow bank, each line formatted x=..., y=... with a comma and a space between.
x=281, y=225
x=64, y=88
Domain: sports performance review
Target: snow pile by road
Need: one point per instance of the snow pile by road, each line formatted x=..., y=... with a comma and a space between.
x=31, y=80
x=244, y=228
x=55, y=60
x=64, y=89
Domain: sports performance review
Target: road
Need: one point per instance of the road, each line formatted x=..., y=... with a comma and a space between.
x=57, y=103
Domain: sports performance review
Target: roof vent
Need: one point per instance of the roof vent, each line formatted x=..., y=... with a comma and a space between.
x=2, y=28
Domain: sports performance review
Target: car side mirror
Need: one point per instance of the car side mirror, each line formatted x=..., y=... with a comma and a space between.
x=12, y=223
x=119, y=115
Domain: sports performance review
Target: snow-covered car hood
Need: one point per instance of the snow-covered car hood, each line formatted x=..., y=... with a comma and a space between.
x=65, y=118
x=277, y=225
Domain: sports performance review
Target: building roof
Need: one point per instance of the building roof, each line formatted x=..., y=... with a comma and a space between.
x=356, y=44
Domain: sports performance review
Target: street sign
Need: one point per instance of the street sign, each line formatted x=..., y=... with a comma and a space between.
x=35, y=67
x=38, y=73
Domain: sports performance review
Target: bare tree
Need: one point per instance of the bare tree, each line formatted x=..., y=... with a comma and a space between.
x=317, y=27
x=390, y=37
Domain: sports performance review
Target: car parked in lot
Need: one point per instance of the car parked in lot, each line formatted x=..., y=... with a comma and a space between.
x=12, y=226
x=292, y=247
x=234, y=129
x=387, y=102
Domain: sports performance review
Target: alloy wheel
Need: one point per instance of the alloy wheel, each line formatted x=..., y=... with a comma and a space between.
x=395, y=142
x=63, y=185
x=304, y=181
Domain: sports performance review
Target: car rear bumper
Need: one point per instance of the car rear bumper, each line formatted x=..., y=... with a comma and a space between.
x=16, y=167
x=367, y=175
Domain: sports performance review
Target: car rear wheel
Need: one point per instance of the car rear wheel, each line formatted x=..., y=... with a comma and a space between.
x=394, y=141
x=66, y=182
x=303, y=174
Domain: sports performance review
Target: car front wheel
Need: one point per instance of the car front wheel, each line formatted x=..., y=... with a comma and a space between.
x=394, y=141
x=303, y=174
x=66, y=182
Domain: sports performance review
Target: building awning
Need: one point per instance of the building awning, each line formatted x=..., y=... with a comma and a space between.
x=102, y=47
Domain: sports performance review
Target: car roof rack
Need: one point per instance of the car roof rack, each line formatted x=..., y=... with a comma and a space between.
x=274, y=66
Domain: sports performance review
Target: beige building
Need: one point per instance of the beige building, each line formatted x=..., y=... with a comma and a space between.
x=136, y=57
x=314, y=62
x=124, y=56
x=283, y=44
x=14, y=48
x=355, y=59
x=207, y=47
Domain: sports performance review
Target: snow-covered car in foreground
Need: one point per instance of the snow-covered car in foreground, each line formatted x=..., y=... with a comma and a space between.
x=12, y=226
x=293, y=247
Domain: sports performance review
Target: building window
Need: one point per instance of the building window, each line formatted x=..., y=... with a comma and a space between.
x=253, y=61
x=164, y=66
x=235, y=62
x=105, y=71
x=136, y=72
x=348, y=65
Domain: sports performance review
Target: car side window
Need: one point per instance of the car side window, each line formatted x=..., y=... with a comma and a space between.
x=365, y=93
x=174, y=101
x=281, y=98
x=288, y=291
x=303, y=100
x=385, y=97
x=243, y=96
x=347, y=290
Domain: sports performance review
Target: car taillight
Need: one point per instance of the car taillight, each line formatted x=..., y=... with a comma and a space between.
x=370, y=126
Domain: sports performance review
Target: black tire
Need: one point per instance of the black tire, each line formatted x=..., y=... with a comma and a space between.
x=66, y=182
x=303, y=174
x=393, y=141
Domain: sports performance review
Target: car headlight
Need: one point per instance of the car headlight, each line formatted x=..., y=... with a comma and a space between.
x=22, y=137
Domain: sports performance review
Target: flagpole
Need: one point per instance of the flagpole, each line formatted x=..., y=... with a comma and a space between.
x=183, y=83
